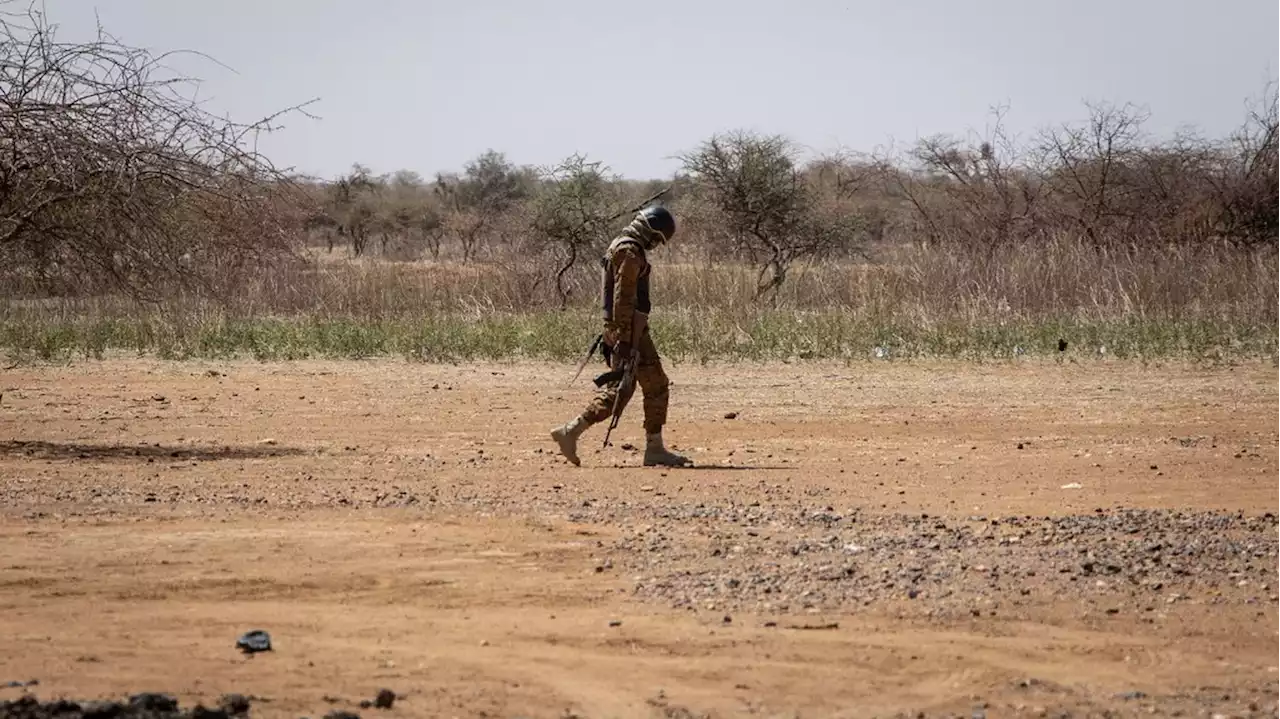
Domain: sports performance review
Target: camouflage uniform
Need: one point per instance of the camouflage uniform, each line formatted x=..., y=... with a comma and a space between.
x=625, y=273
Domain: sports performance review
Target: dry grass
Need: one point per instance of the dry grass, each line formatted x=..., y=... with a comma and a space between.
x=1207, y=301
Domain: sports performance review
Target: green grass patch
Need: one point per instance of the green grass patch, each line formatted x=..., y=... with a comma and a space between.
x=685, y=335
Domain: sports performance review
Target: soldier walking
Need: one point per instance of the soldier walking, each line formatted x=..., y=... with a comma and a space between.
x=625, y=298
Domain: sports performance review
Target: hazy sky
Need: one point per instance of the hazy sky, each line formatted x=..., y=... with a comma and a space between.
x=428, y=84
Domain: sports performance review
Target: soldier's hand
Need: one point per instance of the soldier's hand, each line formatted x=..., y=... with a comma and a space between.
x=621, y=353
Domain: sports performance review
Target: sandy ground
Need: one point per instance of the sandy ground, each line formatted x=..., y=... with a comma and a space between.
x=871, y=540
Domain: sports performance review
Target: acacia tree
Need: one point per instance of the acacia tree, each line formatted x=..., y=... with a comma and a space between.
x=351, y=201
x=488, y=186
x=765, y=205
x=574, y=211
x=577, y=208
x=112, y=180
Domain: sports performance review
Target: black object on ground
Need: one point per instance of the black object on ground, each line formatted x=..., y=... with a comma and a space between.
x=255, y=641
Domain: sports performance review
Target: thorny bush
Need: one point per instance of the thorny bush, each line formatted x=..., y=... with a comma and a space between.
x=111, y=180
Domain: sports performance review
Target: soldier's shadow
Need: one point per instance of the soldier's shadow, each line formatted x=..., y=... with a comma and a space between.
x=735, y=467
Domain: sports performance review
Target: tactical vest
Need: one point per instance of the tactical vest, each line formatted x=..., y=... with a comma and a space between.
x=607, y=279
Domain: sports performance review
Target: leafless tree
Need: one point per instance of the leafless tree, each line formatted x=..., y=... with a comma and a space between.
x=978, y=190
x=1092, y=169
x=112, y=179
x=1247, y=183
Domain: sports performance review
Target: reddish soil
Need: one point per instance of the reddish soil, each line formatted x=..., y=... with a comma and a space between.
x=864, y=540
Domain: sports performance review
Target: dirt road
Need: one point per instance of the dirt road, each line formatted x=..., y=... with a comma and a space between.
x=873, y=540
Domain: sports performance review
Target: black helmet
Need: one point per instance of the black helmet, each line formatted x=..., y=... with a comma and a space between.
x=658, y=220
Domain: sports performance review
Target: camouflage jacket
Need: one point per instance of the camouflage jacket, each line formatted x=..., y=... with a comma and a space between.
x=624, y=286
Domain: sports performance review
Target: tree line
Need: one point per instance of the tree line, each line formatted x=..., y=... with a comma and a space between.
x=112, y=180
x=753, y=197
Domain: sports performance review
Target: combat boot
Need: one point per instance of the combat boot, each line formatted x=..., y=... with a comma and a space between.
x=567, y=434
x=656, y=454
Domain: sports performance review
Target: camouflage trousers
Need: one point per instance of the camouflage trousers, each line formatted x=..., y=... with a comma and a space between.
x=654, y=386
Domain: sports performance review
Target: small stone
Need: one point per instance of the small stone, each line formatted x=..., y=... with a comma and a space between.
x=730, y=415
x=615, y=623
x=234, y=704
x=254, y=641
x=365, y=703
x=152, y=702
x=913, y=594
x=341, y=714
x=102, y=710
x=385, y=699
x=202, y=712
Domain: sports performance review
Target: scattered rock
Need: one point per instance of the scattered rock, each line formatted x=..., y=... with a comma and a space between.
x=730, y=415
x=385, y=699
x=152, y=702
x=234, y=704
x=254, y=641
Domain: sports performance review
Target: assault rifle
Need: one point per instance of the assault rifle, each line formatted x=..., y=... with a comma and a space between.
x=624, y=374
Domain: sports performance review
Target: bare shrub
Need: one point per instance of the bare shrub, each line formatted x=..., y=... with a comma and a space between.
x=979, y=191
x=112, y=180
x=1247, y=182
x=1094, y=172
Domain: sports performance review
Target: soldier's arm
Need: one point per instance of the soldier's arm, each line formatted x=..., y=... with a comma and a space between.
x=624, y=290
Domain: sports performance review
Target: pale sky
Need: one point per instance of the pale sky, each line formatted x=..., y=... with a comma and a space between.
x=428, y=84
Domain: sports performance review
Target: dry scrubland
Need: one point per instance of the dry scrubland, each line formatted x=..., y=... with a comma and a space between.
x=983, y=427
x=1021, y=539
